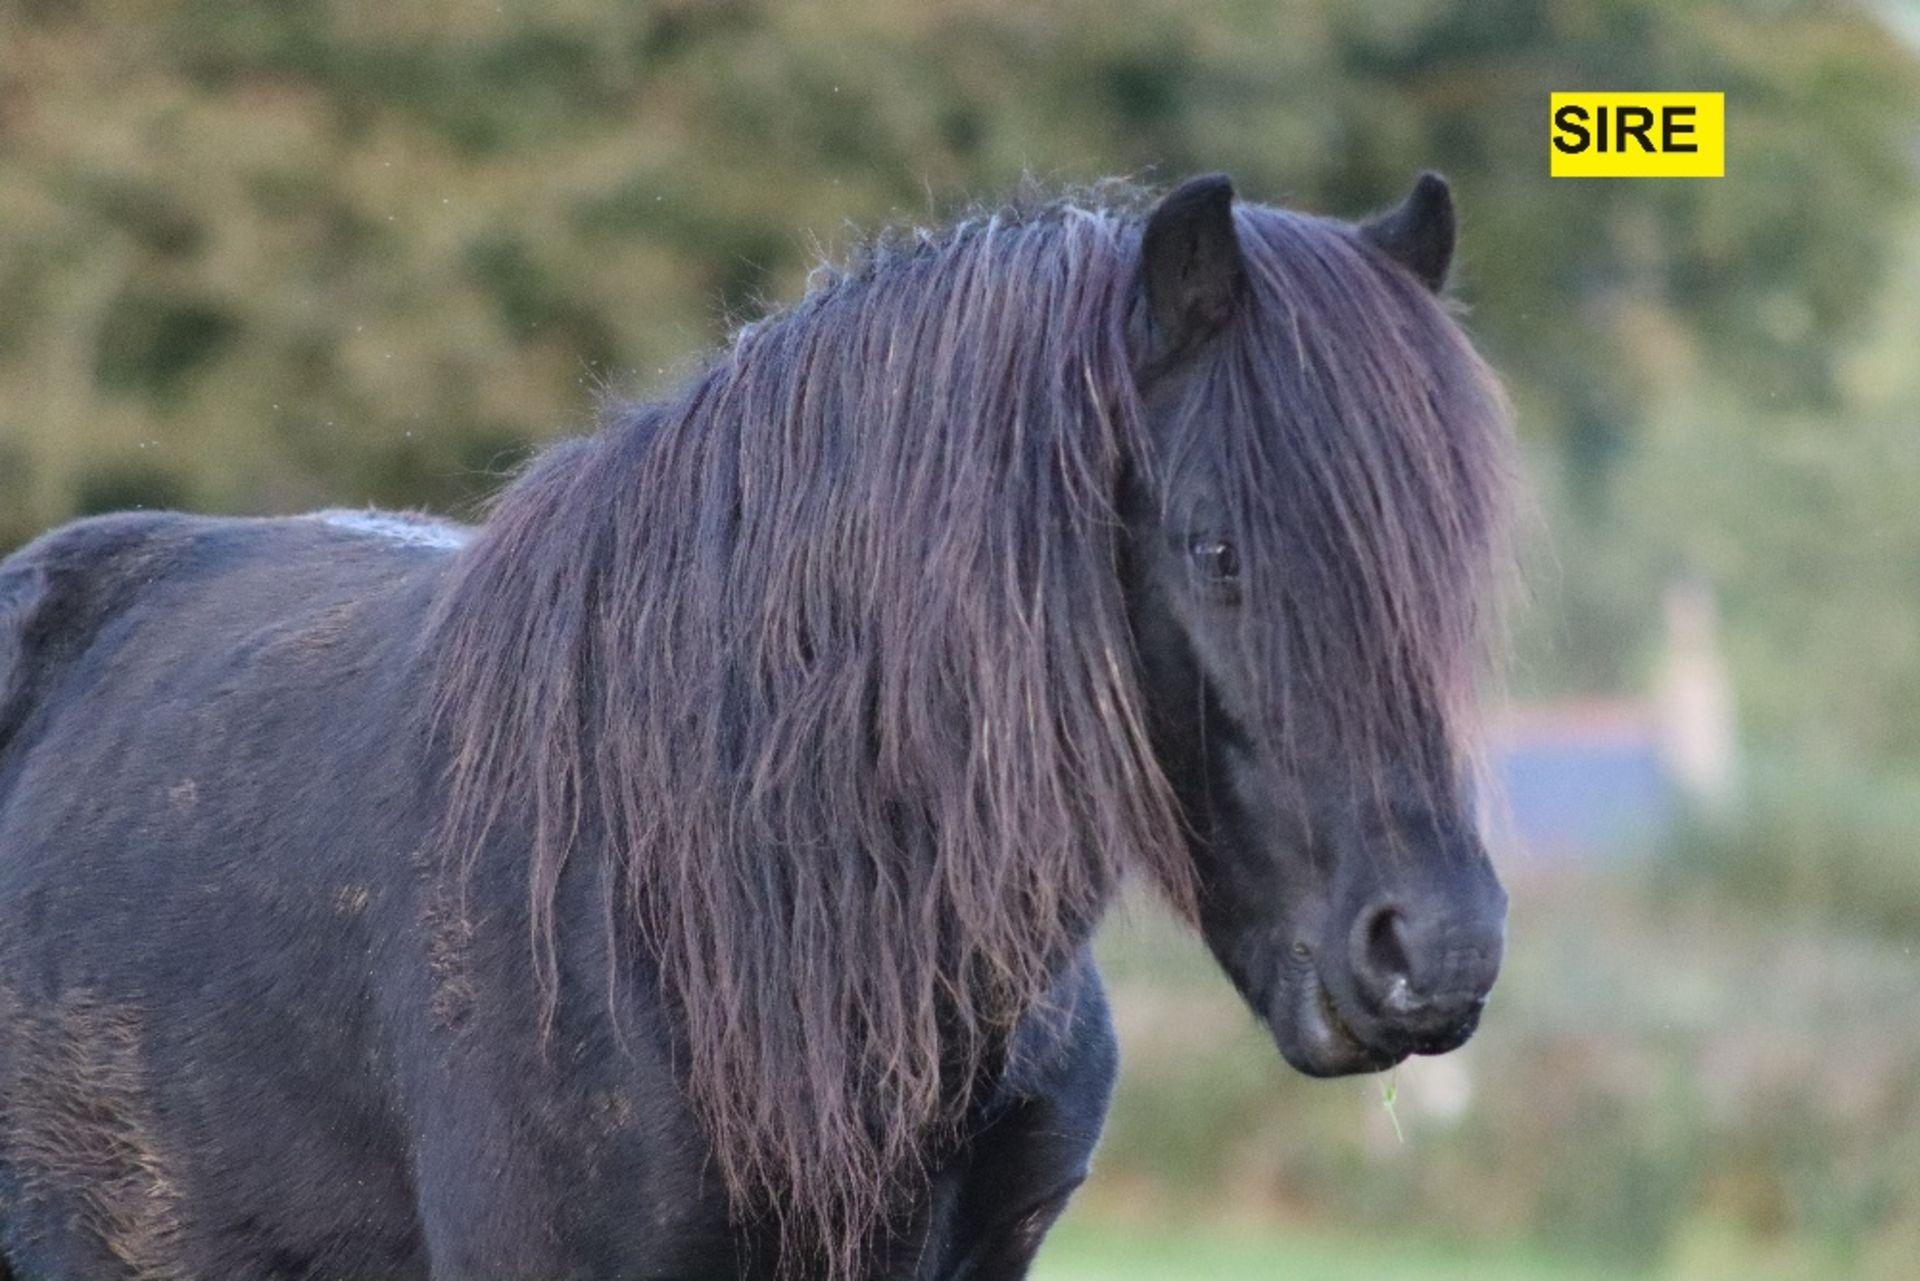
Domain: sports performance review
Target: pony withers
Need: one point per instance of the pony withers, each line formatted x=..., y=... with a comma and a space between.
x=689, y=871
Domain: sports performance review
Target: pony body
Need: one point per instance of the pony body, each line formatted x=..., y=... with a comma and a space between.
x=689, y=872
x=276, y=1039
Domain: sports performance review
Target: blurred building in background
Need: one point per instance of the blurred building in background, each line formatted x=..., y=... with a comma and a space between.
x=1589, y=778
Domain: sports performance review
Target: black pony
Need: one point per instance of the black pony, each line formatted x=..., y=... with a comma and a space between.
x=688, y=873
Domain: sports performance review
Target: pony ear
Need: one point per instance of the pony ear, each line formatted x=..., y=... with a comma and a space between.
x=1190, y=264
x=1418, y=234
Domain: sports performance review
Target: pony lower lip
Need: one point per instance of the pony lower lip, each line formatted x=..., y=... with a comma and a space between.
x=1335, y=1040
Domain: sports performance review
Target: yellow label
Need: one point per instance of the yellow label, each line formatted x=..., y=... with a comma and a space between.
x=1638, y=135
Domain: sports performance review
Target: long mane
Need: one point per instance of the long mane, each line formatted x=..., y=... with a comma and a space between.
x=823, y=662
x=829, y=656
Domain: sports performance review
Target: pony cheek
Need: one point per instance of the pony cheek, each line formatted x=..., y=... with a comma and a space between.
x=1252, y=934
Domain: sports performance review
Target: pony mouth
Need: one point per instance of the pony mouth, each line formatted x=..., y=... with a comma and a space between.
x=1317, y=1041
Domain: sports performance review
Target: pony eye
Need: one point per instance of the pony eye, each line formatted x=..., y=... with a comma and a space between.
x=1217, y=560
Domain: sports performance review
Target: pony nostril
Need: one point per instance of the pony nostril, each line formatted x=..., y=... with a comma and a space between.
x=1424, y=972
x=1381, y=960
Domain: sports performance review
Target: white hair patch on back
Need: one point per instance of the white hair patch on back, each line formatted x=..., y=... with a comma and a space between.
x=400, y=527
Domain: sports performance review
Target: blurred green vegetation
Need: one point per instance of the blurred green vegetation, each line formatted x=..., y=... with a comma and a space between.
x=273, y=256
x=1080, y=1252
x=1816, y=844
x=264, y=257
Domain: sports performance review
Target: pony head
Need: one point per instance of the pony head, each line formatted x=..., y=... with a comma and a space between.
x=1311, y=549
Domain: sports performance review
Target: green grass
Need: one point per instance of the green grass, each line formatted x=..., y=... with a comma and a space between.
x=1101, y=1252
